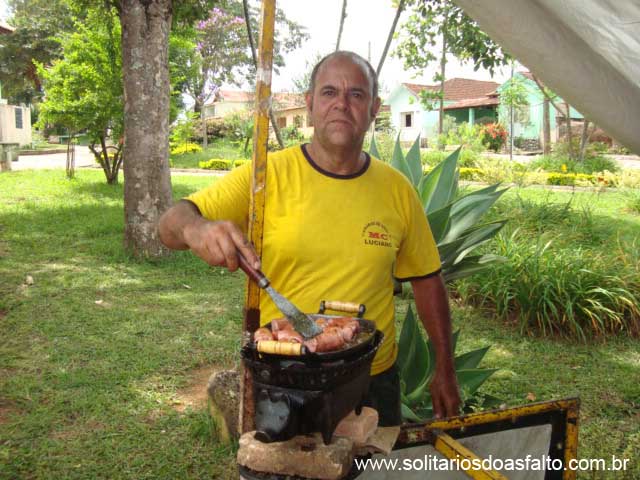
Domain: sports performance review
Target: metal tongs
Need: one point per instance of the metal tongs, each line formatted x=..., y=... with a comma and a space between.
x=301, y=322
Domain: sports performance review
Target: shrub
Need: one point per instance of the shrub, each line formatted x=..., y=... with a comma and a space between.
x=185, y=148
x=216, y=164
x=570, y=179
x=633, y=201
x=466, y=136
x=184, y=130
x=598, y=164
x=496, y=169
x=291, y=134
x=468, y=158
x=470, y=174
x=239, y=163
x=547, y=290
x=431, y=157
x=562, y=164
x=625, y=179
x=493, y=136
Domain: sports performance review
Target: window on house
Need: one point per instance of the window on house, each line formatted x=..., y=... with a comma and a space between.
x=297, y=121
x=407, y=119
x=282, y=122
x=18, y=111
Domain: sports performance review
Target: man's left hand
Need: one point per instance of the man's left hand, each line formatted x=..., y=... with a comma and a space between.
x=445, y=394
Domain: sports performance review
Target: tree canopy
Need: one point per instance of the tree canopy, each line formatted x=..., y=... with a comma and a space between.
x=38, y=24
x=432, y=20
x=84, y=86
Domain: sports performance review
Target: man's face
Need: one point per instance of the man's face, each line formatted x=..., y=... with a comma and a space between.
x=340, y=105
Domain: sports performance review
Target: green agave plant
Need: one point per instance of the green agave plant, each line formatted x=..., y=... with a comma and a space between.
x=457, y=228
x=455, y=221
x=416, y=361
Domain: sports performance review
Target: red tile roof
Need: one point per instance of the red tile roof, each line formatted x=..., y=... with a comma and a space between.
x=456, y=89
x=233, y=96
x=284, y=100
x=474, y=102
x=4, y=28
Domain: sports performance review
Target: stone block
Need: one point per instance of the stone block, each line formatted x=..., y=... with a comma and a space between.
x=224, y=392
x=304, y=456
x=358, y=427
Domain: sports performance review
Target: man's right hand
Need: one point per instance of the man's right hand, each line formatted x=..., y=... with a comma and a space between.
x=217, y=243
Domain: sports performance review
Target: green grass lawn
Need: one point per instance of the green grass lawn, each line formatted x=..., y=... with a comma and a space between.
x=95, y=353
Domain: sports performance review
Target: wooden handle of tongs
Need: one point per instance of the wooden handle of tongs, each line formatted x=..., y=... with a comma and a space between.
x=348, y=307
x=280, y=348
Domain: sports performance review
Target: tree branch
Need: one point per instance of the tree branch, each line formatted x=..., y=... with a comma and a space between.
x=390, y=36
x=547, y=96
x=342, y=17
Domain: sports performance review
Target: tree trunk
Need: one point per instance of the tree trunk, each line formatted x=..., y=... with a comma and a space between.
x=145, y=69
x=513, y=65
x=565, y=113
x=584, y=138
x=546, y=127
x=443, y=63
x=343, y=15
x=71, y=157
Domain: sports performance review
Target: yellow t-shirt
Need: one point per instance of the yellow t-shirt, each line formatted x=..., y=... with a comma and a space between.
x=329, y=237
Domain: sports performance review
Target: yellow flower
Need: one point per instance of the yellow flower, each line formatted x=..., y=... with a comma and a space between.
x=564, y=168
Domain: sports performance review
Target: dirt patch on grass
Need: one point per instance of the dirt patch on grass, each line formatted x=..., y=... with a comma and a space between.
x=7, y=410
x=195, y=395
x=76, y=430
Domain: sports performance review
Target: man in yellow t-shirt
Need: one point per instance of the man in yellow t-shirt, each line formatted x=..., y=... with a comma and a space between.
x=338, y=225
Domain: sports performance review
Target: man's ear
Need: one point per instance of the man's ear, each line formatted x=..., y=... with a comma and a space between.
x=308, y=99
x=375, y=108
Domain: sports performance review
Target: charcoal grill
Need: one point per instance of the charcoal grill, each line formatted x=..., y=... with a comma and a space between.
x=312, y=392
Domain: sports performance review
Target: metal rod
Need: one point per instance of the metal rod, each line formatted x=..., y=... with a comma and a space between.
x=251, y=319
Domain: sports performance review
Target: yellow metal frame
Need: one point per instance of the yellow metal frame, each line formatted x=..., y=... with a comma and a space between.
x=251, y=319
x=561, y=414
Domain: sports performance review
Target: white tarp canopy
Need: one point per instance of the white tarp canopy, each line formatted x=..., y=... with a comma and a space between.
x=587, y=51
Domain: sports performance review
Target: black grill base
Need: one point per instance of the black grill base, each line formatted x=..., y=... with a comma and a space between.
x=297, y=397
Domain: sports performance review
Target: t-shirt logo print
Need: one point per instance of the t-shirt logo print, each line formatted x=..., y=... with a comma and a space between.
x=376, y=233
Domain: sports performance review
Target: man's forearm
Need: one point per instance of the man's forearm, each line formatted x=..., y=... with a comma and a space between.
x=433, y=308
x=432, y=304
x=173, y=223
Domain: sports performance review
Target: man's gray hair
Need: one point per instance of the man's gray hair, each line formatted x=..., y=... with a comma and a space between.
x=366, y=67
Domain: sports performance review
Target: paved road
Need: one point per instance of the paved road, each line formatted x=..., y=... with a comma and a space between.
x=84, y=159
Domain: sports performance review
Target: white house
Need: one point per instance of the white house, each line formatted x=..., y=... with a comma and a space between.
x=15, y=120
x=289, y=108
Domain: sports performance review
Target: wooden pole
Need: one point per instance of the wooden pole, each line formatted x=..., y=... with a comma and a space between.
x=251, y=319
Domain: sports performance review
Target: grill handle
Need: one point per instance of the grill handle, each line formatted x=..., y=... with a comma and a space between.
x=280, y=348
x=348, y=307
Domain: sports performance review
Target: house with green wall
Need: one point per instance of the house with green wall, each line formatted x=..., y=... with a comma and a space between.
x=465, y=100
x=473, y=102
x=528, y=119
